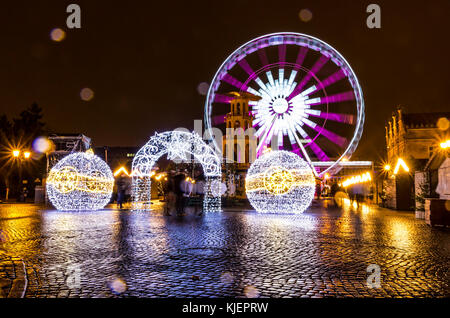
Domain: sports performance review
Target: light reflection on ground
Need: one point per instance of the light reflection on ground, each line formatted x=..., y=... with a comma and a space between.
x=323, y=252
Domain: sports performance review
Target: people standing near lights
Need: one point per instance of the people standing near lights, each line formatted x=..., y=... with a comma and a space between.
x=121, y=187
x=169, y=193
x=178, y=190
x=199, y=187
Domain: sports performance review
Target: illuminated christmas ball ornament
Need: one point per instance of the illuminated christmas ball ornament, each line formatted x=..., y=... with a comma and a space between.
x=280, y=182
x=80, y=182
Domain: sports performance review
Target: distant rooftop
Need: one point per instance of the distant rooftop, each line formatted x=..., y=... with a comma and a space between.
x=425, y=120
x=245, y=95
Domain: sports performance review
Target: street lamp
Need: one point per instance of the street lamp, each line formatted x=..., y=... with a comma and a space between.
x=16, y=153
x=387, y=167
x=445, y=144
x=27, y=155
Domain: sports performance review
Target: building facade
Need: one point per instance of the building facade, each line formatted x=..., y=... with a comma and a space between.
x=412, y=140
x=415, y=136
x=239, y=143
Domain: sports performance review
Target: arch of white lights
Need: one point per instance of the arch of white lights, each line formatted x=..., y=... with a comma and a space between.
x=80, y=182
x=179, y=145
x=280, y=182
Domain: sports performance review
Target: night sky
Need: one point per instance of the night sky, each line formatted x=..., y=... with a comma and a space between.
x=145, y=59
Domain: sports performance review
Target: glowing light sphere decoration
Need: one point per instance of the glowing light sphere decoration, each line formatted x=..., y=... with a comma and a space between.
x=310, y=101
x=80, y=182
x=280, y=182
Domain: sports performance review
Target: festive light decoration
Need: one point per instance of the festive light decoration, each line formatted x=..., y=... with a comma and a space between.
x=401, y=163
x=280, y=181
x=177, y=145
x=80, y=182
x=387, y=167
x=310, y=97
x=365, y=177
x=124, y=170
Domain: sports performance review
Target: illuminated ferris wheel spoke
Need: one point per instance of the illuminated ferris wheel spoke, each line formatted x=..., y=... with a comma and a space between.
x=314, y=70
x=305, y=153
x=262, y=85
x=308, y=91
x=333, y=78
x=263, y=57
x=233, y=81
x=270, y=78
x=265, y=141
x=254, y=92
x=313, y=101
x=282, y=53
x=292, y=77
x=300, y=57
x=220, y=98
x=319, y=152
x=281, y=76
x=338, y=140
x=341, y=118
x=341, y=97
x=246, y=67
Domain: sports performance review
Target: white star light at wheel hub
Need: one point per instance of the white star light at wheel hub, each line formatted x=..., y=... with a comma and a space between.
x=275, y=115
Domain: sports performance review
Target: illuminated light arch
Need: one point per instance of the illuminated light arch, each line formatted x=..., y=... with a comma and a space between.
x=310, y=98
x=179, y=145
x=80, y=182
x=280, y=182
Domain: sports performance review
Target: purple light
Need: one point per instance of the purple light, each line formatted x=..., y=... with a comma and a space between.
x=333, y=78
x=219, y=119
x=246, y=67
x=219, y=98
x=282, y=53
x=301, y=57
x=342, y=118
x=316, y=68
x=319, y=152
x=263, y=57
x=338, y=140
x=296, y=149
x=236, y=83
x=341, y=97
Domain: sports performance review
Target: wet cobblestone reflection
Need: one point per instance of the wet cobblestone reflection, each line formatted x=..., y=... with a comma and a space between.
x=324, y=252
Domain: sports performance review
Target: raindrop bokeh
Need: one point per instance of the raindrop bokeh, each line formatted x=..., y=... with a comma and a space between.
x=57, y=35
x=87, y=94
x=305, y=15
x=443, y=123
x=42, y=145
x=251, y=292
x=202, y=88
x=118, y=286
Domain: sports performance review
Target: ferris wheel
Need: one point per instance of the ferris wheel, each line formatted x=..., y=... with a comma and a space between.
x=309, y=100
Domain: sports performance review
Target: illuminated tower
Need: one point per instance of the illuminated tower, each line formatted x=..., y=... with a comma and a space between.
x=237, y=142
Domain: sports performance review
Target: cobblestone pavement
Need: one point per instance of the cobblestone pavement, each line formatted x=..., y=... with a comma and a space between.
x=323, y=252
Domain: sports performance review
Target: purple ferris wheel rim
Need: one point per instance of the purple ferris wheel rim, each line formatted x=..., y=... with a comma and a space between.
x=308, y=42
